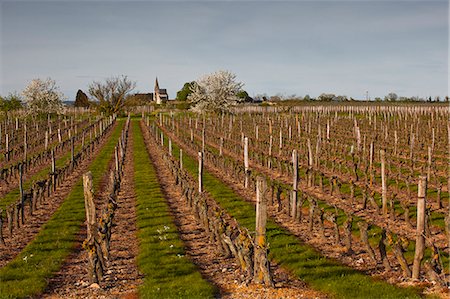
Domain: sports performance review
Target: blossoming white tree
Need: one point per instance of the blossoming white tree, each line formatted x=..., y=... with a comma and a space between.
x=43, y=96
x=215, y=92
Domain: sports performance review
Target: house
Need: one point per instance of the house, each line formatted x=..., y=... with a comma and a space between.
x=160, y=94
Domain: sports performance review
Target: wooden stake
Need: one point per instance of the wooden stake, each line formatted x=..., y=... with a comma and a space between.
x=420, y=232
x=46, y=140
x=383, y=183
x=294, y=184
x=72, y=150
x=261, y=264
x=89, y=203
x=200, y=172
x=181, y=158
x=246, y=161
x=170, y=147
x=25, y=143
x=53, y=170
x=22, y=197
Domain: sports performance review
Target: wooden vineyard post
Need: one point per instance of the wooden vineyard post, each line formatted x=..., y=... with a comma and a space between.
x=383, y=183
x=72, y=150
x=53, y=170
x=246, y=162
x=25, y=143
x=269, y=162
x=170, y=147
x=200, y=172
x=294, y=184
x=46, y=140
x=420, y=232
x=221, y=147
x=371, y=177
x=310, y=163
x=7, y=147
x=89, y=203
x=261, y=264
x=116, y=159
x=95, y=259
x=429, y=164
x=22, y=197
x=181, y=158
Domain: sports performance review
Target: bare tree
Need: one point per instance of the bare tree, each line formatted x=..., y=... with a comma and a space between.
x=112, y=93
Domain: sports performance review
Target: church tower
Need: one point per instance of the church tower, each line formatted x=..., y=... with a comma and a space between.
x=160, y=94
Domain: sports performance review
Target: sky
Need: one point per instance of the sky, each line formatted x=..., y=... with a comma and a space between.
x=274, y=47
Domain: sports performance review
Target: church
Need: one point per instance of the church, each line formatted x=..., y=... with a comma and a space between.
x=159, y=95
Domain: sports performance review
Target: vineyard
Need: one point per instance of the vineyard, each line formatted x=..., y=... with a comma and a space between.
x=312, y=201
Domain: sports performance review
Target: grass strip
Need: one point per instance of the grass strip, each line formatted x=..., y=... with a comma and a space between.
x=305, y=262
x=168, y=272
x=28, y=273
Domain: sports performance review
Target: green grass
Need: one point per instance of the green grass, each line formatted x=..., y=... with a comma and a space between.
x=168, y=272
x=306, y=263
x=28, y=273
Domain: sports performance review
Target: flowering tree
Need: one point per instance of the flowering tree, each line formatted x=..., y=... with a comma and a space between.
x=215, y=92
x=42, y=97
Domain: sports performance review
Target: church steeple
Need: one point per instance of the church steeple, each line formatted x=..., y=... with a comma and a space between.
x=156, y=84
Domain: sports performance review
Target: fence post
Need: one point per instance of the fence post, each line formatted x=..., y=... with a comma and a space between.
x=53, y=170
x=200, y=172
x=383, y=182
x=261, y=263
x=294, y=184
x=246, y=161
x=22, y=197
x=181, y=158
x=420, y=239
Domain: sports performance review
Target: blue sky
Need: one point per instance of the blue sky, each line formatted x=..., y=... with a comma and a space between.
x=287, y=47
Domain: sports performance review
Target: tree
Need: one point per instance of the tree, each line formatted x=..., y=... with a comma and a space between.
x=392, y=97
x=326, y=97
x=81, y=99
x=215, y=92
x=11, y=102
x=244, y=97
x=112, y=93
x=183, y=94
x=42, y=97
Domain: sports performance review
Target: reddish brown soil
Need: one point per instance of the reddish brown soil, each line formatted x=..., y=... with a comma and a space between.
x=33, y=224
x=122, y=276
x=221, y=271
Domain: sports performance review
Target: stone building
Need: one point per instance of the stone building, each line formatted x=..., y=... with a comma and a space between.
x=160, y=95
